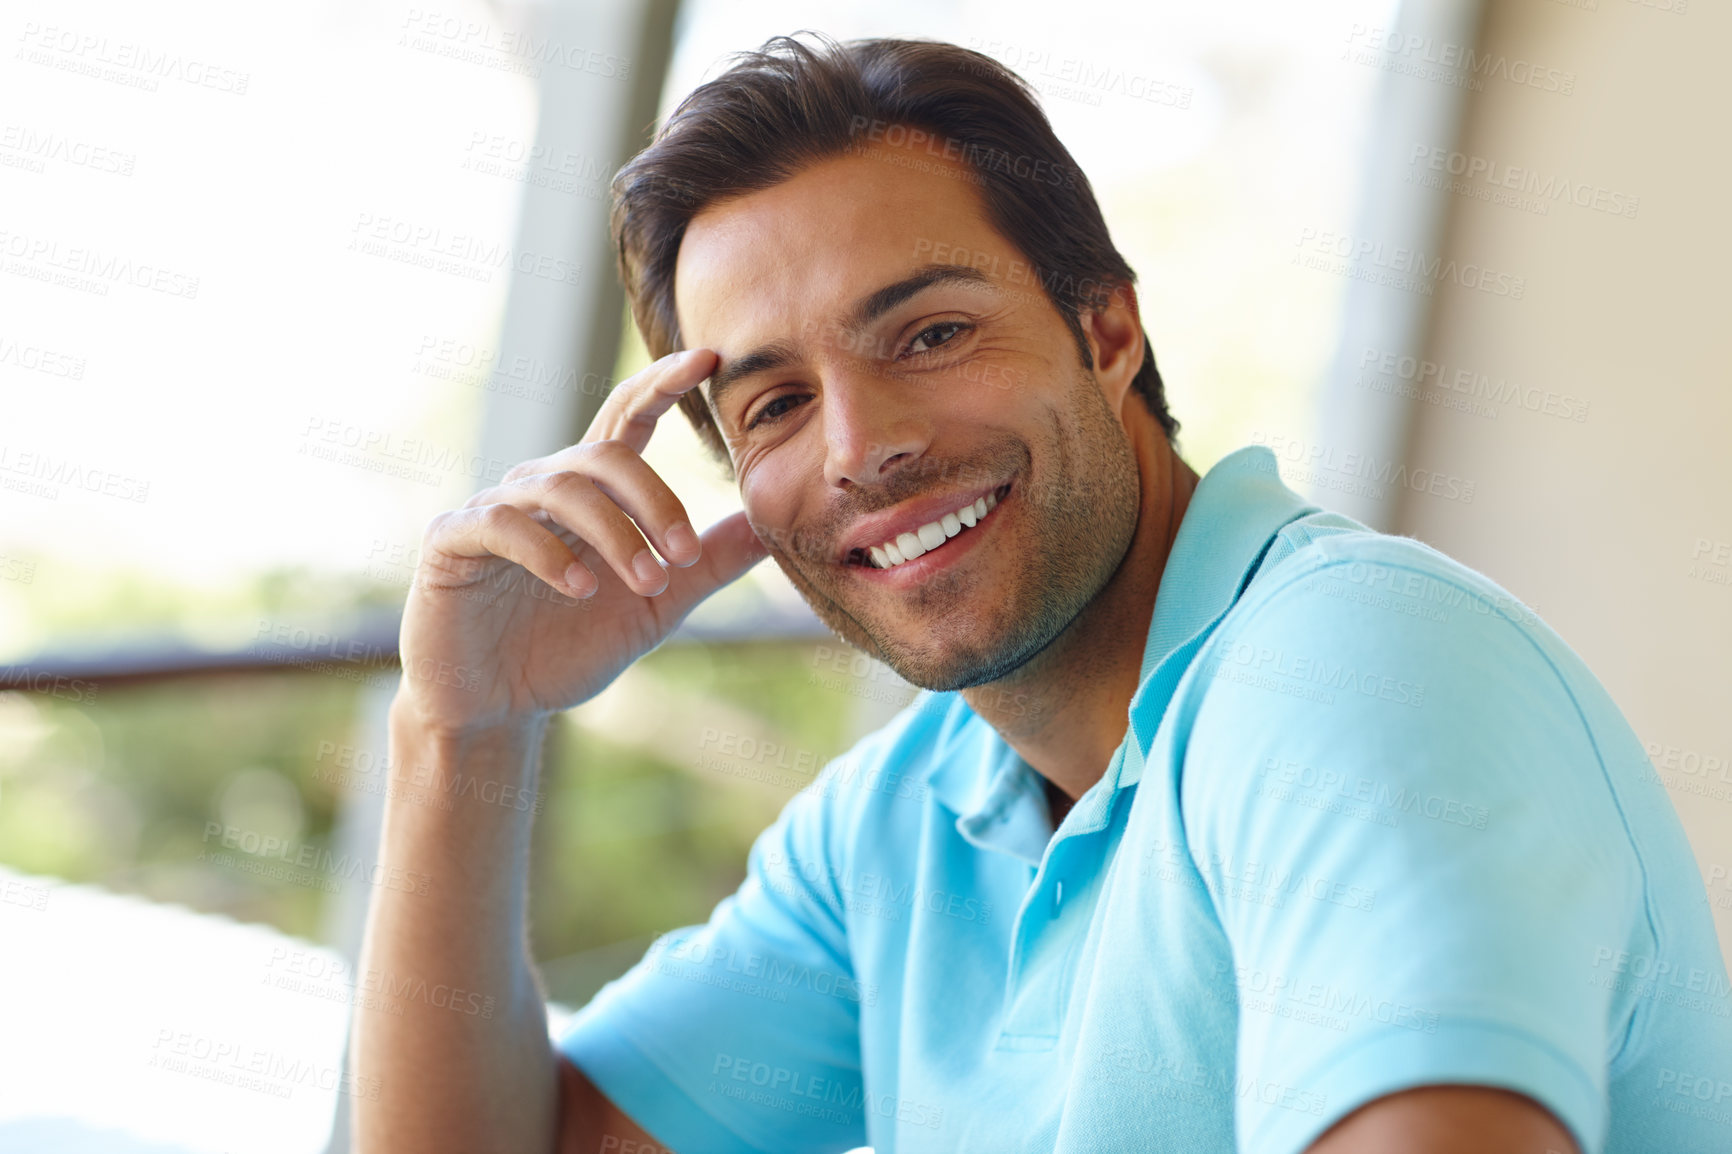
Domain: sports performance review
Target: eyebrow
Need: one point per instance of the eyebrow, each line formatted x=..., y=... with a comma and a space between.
x=780, y=354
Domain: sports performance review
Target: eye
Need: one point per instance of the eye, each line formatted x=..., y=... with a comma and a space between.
x=776, y=409
x=950, y=329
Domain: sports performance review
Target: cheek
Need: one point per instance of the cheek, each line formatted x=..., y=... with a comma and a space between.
x=770, y=491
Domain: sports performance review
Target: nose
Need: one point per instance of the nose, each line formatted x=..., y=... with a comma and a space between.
x=872, y=426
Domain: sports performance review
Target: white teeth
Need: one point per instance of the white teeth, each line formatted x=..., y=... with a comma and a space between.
x=907, y=546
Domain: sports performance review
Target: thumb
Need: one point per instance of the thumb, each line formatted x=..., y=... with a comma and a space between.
x=729, y=549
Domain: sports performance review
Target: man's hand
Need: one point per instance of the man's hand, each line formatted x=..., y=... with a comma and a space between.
x=1448, y=1120
x=540, y=591
x=530, y=599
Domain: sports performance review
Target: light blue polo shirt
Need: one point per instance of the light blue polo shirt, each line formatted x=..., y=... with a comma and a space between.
x=1372, y=826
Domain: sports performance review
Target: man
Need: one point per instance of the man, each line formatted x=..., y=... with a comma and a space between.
x=1226, y=824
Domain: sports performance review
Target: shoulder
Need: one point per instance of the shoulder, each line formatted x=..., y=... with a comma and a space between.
x=1328, y=559
x=1393, y=782
x=1375, y=665
x=1342, y=608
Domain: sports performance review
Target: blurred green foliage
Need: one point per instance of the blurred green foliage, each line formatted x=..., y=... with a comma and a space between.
x=138, y=788
x=640, y=838
x=117, y=790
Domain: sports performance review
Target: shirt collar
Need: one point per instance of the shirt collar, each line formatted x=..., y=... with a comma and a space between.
x=1236, y=510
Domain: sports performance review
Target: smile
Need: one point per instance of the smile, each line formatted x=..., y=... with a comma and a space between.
x=916, y=543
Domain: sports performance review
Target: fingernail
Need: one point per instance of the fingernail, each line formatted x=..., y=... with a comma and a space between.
x=682, y=541
x=649, y=571
x=578, y=580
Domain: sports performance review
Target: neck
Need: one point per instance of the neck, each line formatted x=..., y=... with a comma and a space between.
x=1065, y=711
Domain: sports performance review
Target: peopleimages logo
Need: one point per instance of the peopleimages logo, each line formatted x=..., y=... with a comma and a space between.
x=1497, y=176
x=981, y=157
x=461, y=254
x=1449, y=61
x=37, y=359
x=239, y=1063
x=42, y=474
x=123, y=61
x=1329, y=467
x=1226, y=654
x=518, y=50
x=384, y=450
x=766, y=974
x=45, y=259
x=1659, y=972
x=73, y=689
x=24, y=147
x=1298, y=778
x=1081, y=79
x=314, y=858
x=1395, y=266
x=847, y=1094
x=1432, y=379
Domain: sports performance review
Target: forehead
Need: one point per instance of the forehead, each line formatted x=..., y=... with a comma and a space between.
x=756, y=267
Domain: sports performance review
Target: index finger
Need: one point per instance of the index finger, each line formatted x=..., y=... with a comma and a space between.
x=631, y=411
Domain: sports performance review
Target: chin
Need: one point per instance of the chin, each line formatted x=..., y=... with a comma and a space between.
x=953, y=663
x=968, y=647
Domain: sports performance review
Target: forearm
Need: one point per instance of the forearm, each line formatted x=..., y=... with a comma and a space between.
x=452, y=1047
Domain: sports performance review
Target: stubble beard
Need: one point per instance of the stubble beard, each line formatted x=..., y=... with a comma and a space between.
x=1078, y=520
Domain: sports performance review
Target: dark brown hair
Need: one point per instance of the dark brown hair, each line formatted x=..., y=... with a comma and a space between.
x=788, y=105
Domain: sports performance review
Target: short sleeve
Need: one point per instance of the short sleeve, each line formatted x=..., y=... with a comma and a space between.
x=742, y=1034
x=1403, y=821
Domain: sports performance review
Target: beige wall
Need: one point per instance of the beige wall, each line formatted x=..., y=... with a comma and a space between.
x=1595, y=523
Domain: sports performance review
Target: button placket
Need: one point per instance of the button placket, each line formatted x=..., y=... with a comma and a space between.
x=1034, y=1013
x=1086, y=829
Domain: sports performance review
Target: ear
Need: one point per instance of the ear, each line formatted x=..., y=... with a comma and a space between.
x=1115, y=336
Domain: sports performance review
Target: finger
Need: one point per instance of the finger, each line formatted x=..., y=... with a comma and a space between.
x=503, y=530
x=575, y=503
x=635, y=405
x=625, y=477
x=730, y=548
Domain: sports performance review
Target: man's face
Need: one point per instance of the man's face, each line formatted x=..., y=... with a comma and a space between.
x=887, y=361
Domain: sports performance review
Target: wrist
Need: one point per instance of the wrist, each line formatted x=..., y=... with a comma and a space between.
x=499, y=764
x=480, y=784
x=412, y=723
